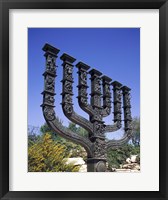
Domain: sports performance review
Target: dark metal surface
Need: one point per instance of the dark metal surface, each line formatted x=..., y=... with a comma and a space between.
x=100, y=106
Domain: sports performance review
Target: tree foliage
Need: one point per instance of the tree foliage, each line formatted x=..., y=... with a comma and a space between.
x=118, y=156
x=46, y=129
x=77, y=129
x=136, y=131
x=49, y=156
x=32, y=139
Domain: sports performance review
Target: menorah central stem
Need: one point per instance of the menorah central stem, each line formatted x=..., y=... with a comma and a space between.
x=98, y=161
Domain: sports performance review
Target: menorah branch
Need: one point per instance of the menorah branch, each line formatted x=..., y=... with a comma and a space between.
x=114, y=144
x=106, y=96
x=48, y=101
x=117, y=108
x=67, y=93
x=68, y=134
x=111, y=128
x=127, y=120
x=82, y=88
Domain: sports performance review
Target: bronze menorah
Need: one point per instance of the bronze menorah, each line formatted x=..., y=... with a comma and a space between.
x=98, y=108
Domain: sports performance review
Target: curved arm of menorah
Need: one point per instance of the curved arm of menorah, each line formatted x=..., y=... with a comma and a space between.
x=127, y=120
x=111, y=128
x=118, y=143
x=67, y=93
x=82, y=88
x=117, y=108
x=48, y=99
x=56, y=125
x=76, y=118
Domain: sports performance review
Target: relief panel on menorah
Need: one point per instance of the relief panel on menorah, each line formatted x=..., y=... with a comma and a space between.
x=97, y=114
x=107, y=111
x=67, y=108
x=128, y=114
x=83, y=91
x=49, y=113
x=107, y=102
x=68, y=87
x=83, y=78
x=128, y=124
x=49, y=99
x=96, y=101
x=127, y=100
x=97, y=85
x=117, y=108
x=50, y=64
x=50, y=83
x=100, y=148
x=117, y=117
x=107, y=90
x=117, y=95
x=99, y=129
x=68, y=71
x=84, y=101
x=67, y=98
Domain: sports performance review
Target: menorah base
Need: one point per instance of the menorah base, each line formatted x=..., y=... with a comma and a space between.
x=96, y=165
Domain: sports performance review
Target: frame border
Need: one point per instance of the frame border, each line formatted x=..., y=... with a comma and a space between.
x=5, y=6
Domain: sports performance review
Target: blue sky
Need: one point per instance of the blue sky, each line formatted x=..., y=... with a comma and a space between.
x=113, y=51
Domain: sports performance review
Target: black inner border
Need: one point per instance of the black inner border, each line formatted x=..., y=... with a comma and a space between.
x=5, y=6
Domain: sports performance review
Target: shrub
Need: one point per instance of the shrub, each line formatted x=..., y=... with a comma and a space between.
x=49, y=156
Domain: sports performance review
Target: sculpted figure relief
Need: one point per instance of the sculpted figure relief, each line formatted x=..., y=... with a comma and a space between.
x=50, y=64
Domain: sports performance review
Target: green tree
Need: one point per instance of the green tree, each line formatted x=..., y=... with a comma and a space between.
x=77, y=129
x=72, y=127
x=81, y=131
x=33, y=135
x=32, y=139
x=136, y=131
x=116, y=157
x=46, y=129
x=48, y=156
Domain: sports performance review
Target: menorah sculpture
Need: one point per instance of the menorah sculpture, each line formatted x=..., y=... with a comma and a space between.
x=98, y=108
